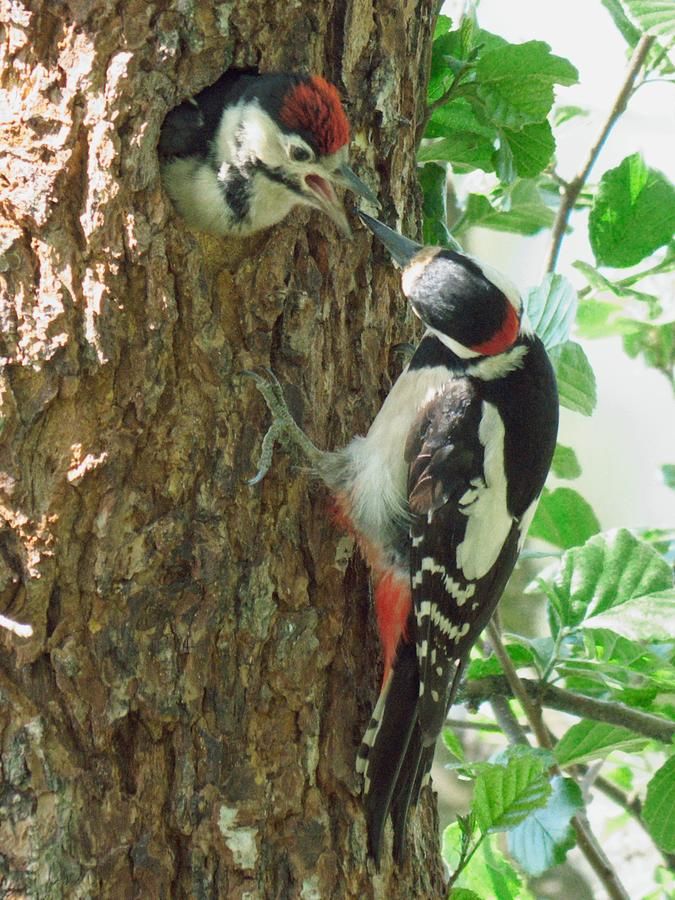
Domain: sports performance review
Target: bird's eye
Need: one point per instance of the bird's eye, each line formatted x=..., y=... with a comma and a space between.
x=300, y=154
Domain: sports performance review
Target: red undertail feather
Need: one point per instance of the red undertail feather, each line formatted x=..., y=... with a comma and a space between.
x=504, y=338
x=393, y=600
x=392, y=605
x=315, y=106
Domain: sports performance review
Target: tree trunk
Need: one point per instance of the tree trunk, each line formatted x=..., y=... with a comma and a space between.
x=184, y=720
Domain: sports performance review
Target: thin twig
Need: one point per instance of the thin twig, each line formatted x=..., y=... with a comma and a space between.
x=586, y=841
x=574, y=187
x=646, y=724
x=468, y=725
x=530, y=708
x=508, y=722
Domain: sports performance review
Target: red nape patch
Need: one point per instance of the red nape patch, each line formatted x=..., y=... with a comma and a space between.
x=504, y=338
x=392, y=605
x=315, y=106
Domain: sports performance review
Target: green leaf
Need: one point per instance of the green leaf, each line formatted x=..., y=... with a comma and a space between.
x=487, y=874
x=602, y=284
x=452, y=55
x=597, y=318
x=647, y=618
x=456, y=841
x=458, y=116
x=453, y=744
x=655, y=342
x=443, y=26
x=544, y=837
x=668, y=472
x=609, y=570
x=484, y=668
x=503, y=161
x=528, y=213
x=531, y=148
x=564, y=518
x=516, y=82
x=658, y=812
x=505, y=795
x=630, y=33
x=565, y=463
x=562, y=114
x=551, y=308
x=633, y=213
x=576, y=381
x=653, y=16
x=433, y=181
x=592, y=740
x=462, y=149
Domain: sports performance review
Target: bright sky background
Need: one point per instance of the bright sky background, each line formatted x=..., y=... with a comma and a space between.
x=632, y=432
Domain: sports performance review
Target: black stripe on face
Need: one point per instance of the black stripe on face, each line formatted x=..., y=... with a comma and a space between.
x=278, y=175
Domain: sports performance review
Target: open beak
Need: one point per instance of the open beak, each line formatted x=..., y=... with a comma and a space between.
x=401, y=248
x=325, y=198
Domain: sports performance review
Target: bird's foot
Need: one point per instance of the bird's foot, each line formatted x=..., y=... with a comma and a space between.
x=283, y=429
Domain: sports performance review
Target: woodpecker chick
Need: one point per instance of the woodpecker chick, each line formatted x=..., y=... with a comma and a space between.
x=439, y=495
x=246, y=150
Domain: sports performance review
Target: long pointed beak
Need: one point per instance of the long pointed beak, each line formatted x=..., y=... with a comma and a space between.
x=325, y=199
x=401, y=248
x=354, y=183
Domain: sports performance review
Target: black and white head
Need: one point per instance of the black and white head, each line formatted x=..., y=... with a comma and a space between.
x=269, y=142
x=470, y=307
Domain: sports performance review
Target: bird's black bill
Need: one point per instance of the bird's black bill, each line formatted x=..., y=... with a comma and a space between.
x=354, y=183
x=401, y=248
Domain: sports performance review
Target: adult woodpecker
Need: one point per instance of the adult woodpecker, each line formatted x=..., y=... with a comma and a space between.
x=439, y=494
x=243, y=152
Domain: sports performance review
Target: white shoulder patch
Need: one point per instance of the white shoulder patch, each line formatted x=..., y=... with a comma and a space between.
x=489, y=521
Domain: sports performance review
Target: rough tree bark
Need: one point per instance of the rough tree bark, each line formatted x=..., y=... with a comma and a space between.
x=184, y=720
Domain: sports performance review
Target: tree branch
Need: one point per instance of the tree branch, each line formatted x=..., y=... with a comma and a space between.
x=508, y=723
x=646, y=724
x=574, y=187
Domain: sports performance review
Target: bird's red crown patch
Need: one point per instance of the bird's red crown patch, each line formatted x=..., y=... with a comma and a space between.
x=315, y=106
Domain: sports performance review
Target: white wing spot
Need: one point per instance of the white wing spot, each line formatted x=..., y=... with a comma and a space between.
x=489, y=521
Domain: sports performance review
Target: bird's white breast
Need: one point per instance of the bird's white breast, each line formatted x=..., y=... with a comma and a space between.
x=377, y=470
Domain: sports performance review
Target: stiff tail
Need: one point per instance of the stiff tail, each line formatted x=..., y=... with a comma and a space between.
x=396, y=753
x=413, y=775
x=383, y=757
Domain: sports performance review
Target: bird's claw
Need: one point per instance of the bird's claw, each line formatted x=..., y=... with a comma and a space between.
x=284, y=428
x=268, y=385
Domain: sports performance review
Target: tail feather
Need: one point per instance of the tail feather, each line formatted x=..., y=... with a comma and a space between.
x=384, y=749
x=396, y=754
x=414, y=771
